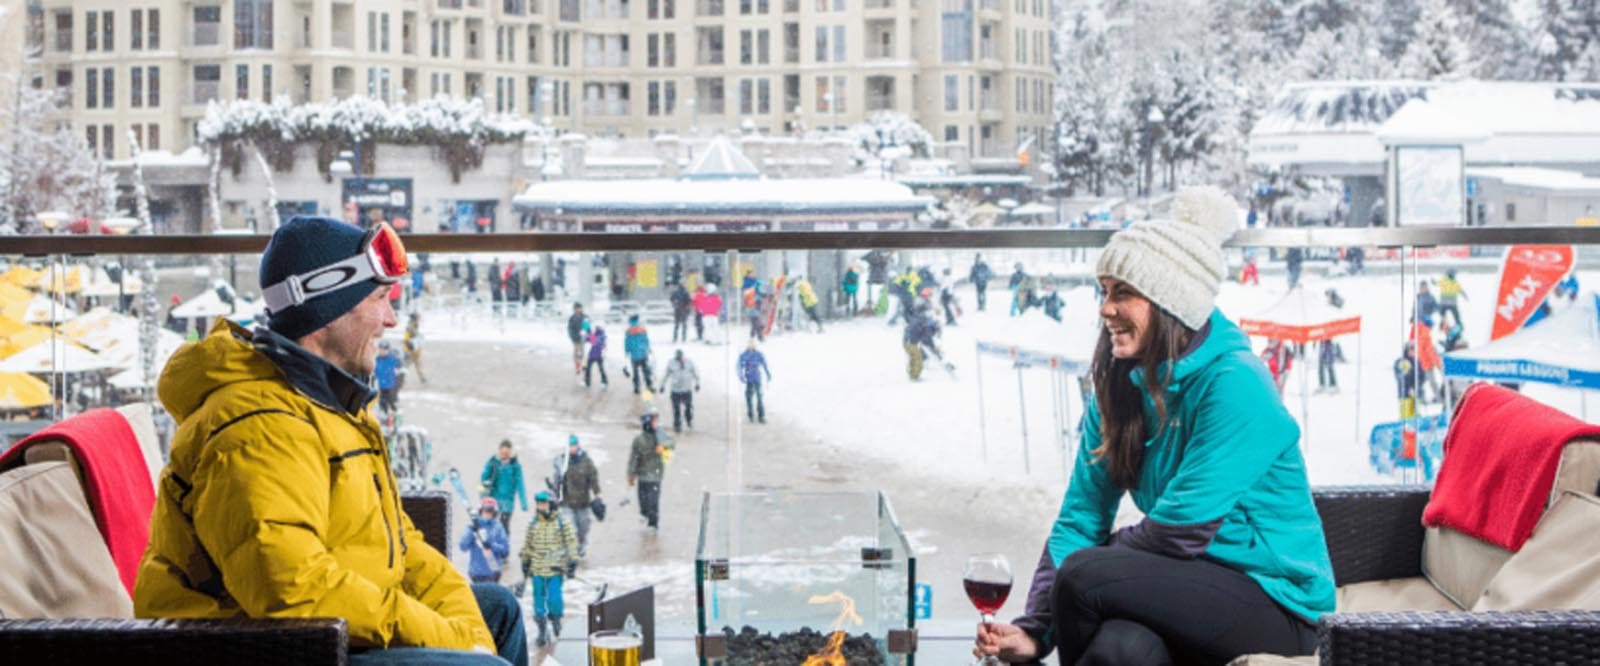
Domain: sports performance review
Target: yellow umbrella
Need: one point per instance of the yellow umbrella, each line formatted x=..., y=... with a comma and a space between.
x=20, y=390
x=20, y=276
x=69, y=281
x=10, y=327
x=11, y=294
x=23, y=339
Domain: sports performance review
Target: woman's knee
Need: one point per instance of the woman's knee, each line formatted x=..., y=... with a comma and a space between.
x=1085, y=568
x=1125, y=642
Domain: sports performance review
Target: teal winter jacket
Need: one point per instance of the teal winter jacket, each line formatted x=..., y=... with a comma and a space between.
x=1228, y=464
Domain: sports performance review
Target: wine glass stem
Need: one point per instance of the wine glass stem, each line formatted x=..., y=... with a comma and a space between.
x=989, y=660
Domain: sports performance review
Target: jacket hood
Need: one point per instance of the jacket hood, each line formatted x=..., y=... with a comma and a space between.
x=229, y=355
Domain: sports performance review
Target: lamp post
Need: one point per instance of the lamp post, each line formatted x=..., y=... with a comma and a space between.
x=1152, y=121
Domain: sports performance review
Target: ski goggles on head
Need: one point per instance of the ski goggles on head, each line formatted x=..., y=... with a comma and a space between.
x=382, y=258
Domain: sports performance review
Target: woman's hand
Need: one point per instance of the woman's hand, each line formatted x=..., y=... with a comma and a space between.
x=1006, y=641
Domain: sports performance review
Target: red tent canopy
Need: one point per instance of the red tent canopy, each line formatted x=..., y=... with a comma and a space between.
x=1300, y=317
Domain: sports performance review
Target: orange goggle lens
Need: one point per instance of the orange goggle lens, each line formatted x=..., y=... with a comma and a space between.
x=390, y=252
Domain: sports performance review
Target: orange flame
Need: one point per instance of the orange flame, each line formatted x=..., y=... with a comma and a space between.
x=832, y=654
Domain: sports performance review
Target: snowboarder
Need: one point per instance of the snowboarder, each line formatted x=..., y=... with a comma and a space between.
x=646, y=466
x=486, y=543
x=980, y=275
x=681, y=381
x=580, y=488
x=851, y=285
x=636, y=342
x=681, y=303
x=1450, y=292
x=548, y=553
x=577, y=331
x=808, y=300
x=597, y=356
x=751, y=365
x=502, y=480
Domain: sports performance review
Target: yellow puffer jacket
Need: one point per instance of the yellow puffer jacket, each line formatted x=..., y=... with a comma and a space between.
x=278, y=501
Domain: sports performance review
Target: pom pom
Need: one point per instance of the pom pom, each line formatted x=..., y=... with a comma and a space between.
x=1209, y=208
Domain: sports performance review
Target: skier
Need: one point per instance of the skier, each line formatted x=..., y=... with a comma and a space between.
x=502, y=480
x=808, y=300
x=1293, y=258
x=979, y=275
x=577, y=329
x=947, y=299
x=850, y=285
x=413, y=344
x=1250, y=274
x=386, y=370
x=1405, y=376
x=1450, y=292
x=1427, y=305
x=681, y=303
x=580, y=489
x=636, y=342
x=1328, y=353
x=706, y=304
x=1051, y=302
x=548, y=553
x=751, y=365
x=646, y=466
x=597, y=356
x=1278, y=360
x=486, y=543
x=681, y=381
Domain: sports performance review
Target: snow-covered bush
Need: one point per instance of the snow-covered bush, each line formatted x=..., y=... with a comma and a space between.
x=886, y=133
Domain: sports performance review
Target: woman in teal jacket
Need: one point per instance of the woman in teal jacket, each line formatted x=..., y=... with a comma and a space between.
x=1229, y=558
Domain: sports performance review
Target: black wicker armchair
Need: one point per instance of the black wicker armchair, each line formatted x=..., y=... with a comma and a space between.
x=314, y=641
x=1375, y=533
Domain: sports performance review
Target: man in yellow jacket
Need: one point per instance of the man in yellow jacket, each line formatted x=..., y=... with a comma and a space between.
x=278, y=499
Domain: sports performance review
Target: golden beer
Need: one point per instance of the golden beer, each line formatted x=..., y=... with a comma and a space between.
x=612, y=648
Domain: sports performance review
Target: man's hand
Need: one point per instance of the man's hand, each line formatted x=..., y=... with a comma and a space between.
x=630, y=481
x=1006, y=641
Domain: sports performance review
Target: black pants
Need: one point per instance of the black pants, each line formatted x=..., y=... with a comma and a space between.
x=811, y=311
x=1455, y=313
x=1117, y=605
x=592, y=363
x=699, y=326
x=755, y=328
x=1325, y=374
x=983, y=294
x=641, y=368
x=682, y=410
x=753, y=405
x=650, y=502
x=680, y=327
x=388, y=399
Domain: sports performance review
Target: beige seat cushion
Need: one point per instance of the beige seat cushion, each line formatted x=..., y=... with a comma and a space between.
x=1579, y=470
x=144, y=428
x=1558, y=568
x=1273, y=660
x=59, y=565
x=1399, y=594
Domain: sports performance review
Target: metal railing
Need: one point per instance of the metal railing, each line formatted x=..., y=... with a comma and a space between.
x=206, y=34
x=1327, y=237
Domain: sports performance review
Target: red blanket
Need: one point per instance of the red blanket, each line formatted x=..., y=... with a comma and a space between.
x=1500, y=459
x=116, y=478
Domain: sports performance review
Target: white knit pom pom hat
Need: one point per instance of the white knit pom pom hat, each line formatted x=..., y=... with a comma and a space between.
x=1177, y=263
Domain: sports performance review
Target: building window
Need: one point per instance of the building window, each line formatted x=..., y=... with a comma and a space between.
x=747, y=96
x=207, y=26
x=763, y=89
x=91, y=88
x=747, y=55
x=383, y=32
x=152, y=78
x=791, y=43
x=822, y=43
x=152, y=26
x=1511, y=212
x=824, y=99
x=764, y=46
x=91, y=34
x=241, y=81
x=136, y=33
x=252, y=24
x=838, y=43
x=712, y=100
x=108, y=96
x=207, y=79
x=135, y=87
x=152, y=137
x=107, y=32
x=108, y=139
x=64, y=31
x=533, y=44
x=956, y=33
x=266, y=83
x=952, y=133
x=652, y=98
x=91, y=136
x=952, y=92
x=710, y=46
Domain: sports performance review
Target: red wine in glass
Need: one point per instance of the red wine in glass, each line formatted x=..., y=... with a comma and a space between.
x=987, y=595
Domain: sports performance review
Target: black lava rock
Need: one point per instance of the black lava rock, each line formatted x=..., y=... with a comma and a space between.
x=750, y=647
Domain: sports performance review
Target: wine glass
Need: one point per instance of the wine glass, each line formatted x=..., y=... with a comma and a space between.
x=987, y=580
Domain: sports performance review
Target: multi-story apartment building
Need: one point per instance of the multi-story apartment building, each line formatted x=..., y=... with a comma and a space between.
x=973, y=72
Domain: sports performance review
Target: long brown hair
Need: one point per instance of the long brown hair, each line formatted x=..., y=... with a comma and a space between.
x=1122, y=427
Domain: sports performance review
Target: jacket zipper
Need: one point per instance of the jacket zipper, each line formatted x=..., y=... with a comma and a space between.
x=388, y=530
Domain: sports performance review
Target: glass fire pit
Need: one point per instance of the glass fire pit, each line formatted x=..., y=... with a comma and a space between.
x=778, y=575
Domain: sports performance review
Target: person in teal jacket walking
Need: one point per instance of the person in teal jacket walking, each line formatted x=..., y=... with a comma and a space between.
x=502, y=480
x=1229, y=558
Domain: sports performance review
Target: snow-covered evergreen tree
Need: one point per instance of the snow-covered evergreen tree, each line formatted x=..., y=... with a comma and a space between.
x=1438, y=51
x=49, y=166
x=1492, y=36
x=885, y=134
x=1396, y=25
x=1092, y=121
x=1562, y=32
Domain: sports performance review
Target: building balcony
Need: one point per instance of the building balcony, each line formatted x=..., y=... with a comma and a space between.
x=343, y=39
x=205, y=34
x=206, y=92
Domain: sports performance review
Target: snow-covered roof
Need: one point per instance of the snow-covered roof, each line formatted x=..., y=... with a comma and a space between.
x=964, y=180
x=753, y=197
x=1422, y=122
x=1536, y=178
x=1336, y=122
x=721, y=161
x=193, y=156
